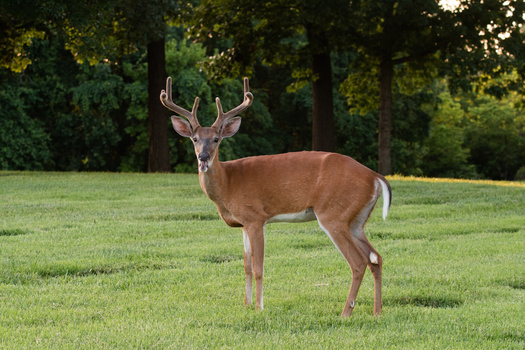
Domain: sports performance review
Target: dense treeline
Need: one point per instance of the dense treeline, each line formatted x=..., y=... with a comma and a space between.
x=67, y=104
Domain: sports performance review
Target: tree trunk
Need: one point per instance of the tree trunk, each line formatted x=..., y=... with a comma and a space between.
x=323, y=138
x=323, y=133
x=385, y=116
x=158, y=115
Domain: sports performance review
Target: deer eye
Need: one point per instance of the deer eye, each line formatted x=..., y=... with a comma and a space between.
x=194, y=139
x=216, y=140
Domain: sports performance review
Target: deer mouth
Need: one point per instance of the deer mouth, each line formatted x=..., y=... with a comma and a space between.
x=203, y=166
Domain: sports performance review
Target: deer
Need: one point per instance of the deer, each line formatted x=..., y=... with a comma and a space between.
x=334, y=189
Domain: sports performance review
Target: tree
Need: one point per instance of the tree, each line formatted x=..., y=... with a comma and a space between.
x=158, y=151
x=101, y=30
x=138, y=24
x=466, y=39
x=301, y=33
x=145, y=23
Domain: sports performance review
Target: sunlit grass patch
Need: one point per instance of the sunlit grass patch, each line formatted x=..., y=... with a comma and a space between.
x=449, y=180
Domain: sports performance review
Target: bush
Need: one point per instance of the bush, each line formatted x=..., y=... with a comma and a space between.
x=520, y=174
x=495, y=139
x=445, y=152
x=24, y=143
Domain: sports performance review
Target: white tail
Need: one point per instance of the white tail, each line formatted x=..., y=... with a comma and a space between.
x=333, y=189
x=386, y=197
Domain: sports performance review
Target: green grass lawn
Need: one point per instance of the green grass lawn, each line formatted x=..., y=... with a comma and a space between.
x=104, y=260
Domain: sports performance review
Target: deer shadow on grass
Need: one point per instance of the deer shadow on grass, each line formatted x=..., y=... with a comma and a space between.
x=429, y=301
x=13, y=232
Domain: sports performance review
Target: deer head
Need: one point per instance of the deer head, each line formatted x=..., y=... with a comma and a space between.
x=206, y=140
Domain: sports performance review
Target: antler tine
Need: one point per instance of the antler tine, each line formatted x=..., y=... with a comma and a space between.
x=248, y=99
x=167, y=101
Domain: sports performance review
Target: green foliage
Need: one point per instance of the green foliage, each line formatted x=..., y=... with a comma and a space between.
x=135, y=125
x=358, y=137
x=14, y=56
x=97, y=100
x=495, y=136
x=475, y=136
x=94, y=117
x=446, y=155
x=24, y=142
x=361, y=89
x=411, y=120
x=20, y=25
x=520, y=174
x=410, y=129
x=64, y=113
x=79, y=105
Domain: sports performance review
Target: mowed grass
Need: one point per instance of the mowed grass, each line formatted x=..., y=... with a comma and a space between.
x=142, y=261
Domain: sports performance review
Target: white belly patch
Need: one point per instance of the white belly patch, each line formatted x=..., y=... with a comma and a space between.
x=302, y=216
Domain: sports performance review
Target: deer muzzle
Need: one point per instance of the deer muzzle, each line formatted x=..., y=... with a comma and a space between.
x=203, y=158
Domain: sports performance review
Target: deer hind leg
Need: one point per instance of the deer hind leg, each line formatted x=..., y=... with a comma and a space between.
x=375, y=261
x=254, y=263
x=339, y=234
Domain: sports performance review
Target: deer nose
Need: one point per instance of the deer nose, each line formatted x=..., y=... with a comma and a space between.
x=204, y=156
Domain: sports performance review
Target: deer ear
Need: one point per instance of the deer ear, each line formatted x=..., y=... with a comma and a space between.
x=230, y=127
x=181, y=126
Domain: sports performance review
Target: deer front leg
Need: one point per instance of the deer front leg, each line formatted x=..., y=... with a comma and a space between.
x=254, y=262
x=248, y=268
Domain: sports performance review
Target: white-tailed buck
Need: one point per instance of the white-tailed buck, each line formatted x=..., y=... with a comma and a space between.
x=333, y=189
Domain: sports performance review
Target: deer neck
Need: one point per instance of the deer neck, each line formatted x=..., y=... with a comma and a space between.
x=213, y=180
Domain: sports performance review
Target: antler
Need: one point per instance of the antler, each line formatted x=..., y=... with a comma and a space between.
x=222, y=117
x=165, y=98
